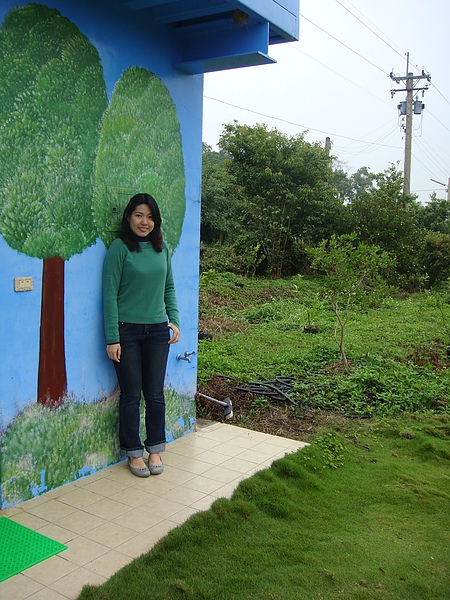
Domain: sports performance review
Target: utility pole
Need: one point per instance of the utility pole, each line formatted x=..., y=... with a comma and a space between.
x=407, y=108
x=445, y=185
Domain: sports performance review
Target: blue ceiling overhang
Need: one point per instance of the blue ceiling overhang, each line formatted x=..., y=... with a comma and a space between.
x=213, y=35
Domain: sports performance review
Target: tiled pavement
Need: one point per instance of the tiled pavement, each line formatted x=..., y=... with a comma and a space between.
x=111, y=517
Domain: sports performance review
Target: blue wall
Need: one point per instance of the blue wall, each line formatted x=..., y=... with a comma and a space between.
x=173, y=41
x=122, y=41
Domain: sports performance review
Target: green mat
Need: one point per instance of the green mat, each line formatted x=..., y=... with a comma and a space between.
x=21, y=548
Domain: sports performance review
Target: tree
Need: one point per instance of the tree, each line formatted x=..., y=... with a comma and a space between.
x=220, y=203
x=139, y=150
x=381, y=215
x=286, y=189
x=51, y=101
x=435, y=215
x=353, y=269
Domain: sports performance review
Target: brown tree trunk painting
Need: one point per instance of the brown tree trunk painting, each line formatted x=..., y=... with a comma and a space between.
x=52, y=378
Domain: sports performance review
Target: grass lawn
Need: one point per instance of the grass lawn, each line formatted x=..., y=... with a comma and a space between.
x=357, y=517
x=363, y=512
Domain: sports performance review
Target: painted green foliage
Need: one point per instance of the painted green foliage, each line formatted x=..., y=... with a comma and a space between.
x=140, y=151
x=52, y=98
x=53, y=112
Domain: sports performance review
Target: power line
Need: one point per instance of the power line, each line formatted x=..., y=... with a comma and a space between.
x=373, y=24
x=304, y=127
x=371, y=30
x=440, y=122
x=440, y=93
x=437, y=163
x=345, y=45
x=339, y=74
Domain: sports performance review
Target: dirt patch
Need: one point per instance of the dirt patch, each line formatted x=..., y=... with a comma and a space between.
x=264, y=414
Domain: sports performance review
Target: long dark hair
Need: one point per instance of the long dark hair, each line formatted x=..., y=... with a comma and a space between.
x=128, y=237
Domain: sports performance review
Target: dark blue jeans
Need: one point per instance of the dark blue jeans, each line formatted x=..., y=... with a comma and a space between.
x=142, y=368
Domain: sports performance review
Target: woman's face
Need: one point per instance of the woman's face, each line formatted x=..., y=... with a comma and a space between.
x=141, y=221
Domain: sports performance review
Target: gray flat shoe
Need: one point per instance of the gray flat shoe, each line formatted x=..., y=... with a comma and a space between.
x=138, y=471
x=156, y=469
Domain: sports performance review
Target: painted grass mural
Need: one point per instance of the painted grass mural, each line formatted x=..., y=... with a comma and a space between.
x=70, y=162
x=39, y=437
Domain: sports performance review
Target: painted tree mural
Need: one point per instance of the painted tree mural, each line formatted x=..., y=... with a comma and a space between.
x=140, y=151
x=52, y=98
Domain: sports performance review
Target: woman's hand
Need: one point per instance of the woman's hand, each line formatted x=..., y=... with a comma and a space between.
x=114, y=351
x=175, y=334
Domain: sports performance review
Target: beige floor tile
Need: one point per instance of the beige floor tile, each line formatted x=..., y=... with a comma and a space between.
x=223, y=475
x=37, y=501
x=136, y=546
x=133, y=497
x=233, y=448
x=11, y=511
x=255, y=469
x=225, y=491
x=257, y=457
x=105, y=487
x=80, y=521
x=50, y=570
x=225, y=434
x=199, y=442
x=107, y=509
x=204, y=503
x=204, y=484
x=94, y=476
x=70, y=585
x=183, y=515
x=57, y=532
x=28, y=520
x=157, y=485
x=161, y=508
x=176, y=475
x=271, y=449
x=172, y=459
x=241, y=432
x=190, y=451
x=80, y=497
x=143, y=542
x=108, y=564
x=19, y=587
x=47, y=594
x=183, y=495
x=242, y=442
x=52, y=511
x=137, y=520
x=83, y=550
x=121, y=475
x=236, y=464
x=59, y=492
x=212, y=457
x=195, y=466
x=110, y=534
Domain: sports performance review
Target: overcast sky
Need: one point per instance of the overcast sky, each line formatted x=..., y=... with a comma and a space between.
x=335, y=82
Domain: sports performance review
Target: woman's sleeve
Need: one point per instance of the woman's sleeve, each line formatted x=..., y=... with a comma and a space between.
x=112, y=275
x=170, y=298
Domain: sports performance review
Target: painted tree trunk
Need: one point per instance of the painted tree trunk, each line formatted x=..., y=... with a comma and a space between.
x=52, y=378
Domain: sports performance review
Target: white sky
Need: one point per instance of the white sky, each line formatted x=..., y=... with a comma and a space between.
x=322, y=86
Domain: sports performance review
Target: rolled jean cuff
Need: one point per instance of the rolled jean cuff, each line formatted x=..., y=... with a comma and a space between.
x=156, y=449
x=133, y=453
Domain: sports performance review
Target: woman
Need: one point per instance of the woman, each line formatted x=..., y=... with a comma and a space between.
x=141, y=321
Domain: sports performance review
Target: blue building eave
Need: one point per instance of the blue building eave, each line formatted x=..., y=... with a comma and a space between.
x=214, y=35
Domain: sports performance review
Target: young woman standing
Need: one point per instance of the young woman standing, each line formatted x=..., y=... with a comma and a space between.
x=141, y=321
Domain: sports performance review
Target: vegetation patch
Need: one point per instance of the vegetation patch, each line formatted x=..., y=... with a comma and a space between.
x=360, y=516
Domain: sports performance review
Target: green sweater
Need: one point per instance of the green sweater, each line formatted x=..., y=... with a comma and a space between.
x=138, y=287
